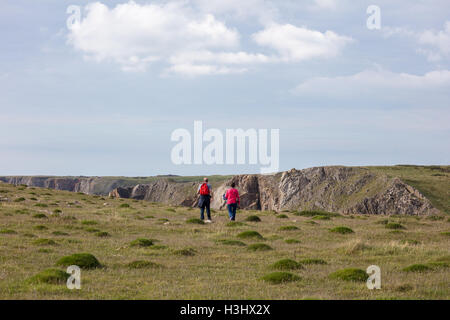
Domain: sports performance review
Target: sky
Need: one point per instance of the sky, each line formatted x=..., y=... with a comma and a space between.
x=101, y=95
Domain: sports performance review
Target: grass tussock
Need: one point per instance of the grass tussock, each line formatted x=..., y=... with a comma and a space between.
x=82, y=260
x=50, y=276
x=253, y=219
x=286, y=264
x=233, y=224
x=250, y=235
x=314, y=213
x=341, y=230
x=350, y=274
x=7, y=231
x=141, y=242
x=259, y=247
x=417, y=268
x=45, y=242
x=288, y=228
x=280, y=277
x=231, y=243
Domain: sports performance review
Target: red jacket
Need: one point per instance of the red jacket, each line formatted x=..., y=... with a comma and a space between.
x=232, y=196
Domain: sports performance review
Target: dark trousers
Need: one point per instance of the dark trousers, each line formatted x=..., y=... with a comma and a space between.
x=232, y=211
x=205, y=202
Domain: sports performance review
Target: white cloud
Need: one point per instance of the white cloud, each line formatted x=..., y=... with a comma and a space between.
x=134, y=35
x=299, y=43
x=263, y=10
x=374, y=81
x=233, y=58
x=326, y=4
x=188, y=69
x=439, y=40
x=434, y=44
x=189, y=41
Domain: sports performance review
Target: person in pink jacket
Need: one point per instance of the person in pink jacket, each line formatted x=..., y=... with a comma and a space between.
x=232, y=197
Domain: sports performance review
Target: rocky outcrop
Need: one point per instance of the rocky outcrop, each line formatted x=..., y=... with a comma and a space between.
x=75, y=184
x=337, y=189
x=399, y=198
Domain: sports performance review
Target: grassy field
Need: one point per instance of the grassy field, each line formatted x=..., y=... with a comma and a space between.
x=187, y=260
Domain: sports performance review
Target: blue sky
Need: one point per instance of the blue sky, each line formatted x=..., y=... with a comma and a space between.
x=103, y=98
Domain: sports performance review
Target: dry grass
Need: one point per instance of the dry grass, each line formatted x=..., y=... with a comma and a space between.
x=215, y=270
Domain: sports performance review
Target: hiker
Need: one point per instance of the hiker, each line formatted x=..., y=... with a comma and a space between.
x=205, y=199
x=233, y=200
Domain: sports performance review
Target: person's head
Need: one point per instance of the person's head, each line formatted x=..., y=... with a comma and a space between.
x=205, y=179
x=233, y=184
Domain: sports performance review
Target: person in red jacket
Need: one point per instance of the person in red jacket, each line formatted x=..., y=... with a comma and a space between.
x=205, y=199
x=233, y=200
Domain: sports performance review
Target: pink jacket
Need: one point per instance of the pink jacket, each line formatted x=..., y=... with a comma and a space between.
x=232, y=196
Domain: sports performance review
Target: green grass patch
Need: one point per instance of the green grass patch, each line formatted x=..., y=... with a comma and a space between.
x=141, y=242
x=282, y=216
x=313, y=213
x=39, y=216
x=195, y=221
x=45, y=242
x=342, y=230
x=253, y=219
x=7, y=231
x=40, y=227
x=321, y=217
x=82, y=260
x=350, y=274
x=250, y=235
x=280, y=277
x=286, y=264
x=50, y=276
x=60, y=233
x=288, y=228
x=231, y=242
x=124, y=205
x=291, y=241
x=259, y=247
x=234, y=224
x=102, y=234
x=417, y=268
